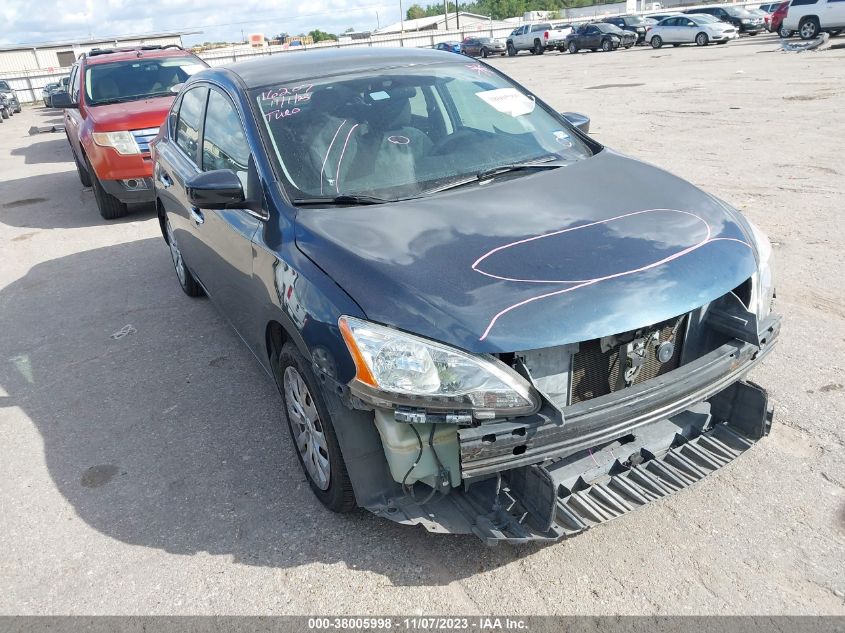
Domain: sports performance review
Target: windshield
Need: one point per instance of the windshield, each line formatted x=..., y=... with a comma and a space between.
x=137, y=79
x=703, y=19
x=634, y=20
x=4, y=86
x=608, y=28
x=737, y=12
x=400, y=133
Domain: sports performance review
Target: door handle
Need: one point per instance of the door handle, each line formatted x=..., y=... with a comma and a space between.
x=165, y=180
x=196, y=215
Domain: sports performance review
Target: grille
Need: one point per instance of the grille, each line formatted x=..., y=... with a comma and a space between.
x=143, y=138
x=594, y=373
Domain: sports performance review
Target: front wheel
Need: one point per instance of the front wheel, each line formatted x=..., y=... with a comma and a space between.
x=784, y=32
x=484, y=53
x=606, y=46
x=627, y=46
x=808, y=29
x=511, y=50
x=656, y=41
x=110, y=207
x=312, y=431
x=832, y=34
x=5, y=114
x=573, y=47
x=701, y=39
x=190, y=286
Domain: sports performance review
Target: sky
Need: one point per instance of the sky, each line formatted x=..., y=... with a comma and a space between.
x=35, y=21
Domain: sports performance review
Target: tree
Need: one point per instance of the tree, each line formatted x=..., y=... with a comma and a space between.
x=414, y=12
x=321, y=36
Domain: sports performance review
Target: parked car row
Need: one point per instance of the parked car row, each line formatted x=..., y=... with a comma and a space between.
x=9, y=102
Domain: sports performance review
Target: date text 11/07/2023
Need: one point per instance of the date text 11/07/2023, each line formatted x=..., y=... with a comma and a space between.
x=419, y=623
x=285, y=100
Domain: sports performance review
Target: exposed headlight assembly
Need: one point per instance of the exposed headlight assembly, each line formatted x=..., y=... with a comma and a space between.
x=123, y=142
x=763, y=292
x=396, y=369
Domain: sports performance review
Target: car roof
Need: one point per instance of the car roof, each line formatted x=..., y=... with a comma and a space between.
x=277, y=69
x=123, y=55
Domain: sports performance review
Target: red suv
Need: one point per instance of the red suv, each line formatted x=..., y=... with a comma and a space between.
x=117, y=100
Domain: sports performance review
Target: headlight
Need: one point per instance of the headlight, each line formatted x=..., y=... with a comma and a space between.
x=764, y=280
x=123, y=142
x=395, y=368
x=746, y=21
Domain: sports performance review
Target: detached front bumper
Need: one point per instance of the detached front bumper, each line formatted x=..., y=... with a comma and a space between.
x=548, y=476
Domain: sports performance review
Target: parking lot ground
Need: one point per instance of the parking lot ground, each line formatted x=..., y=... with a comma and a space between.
x=151, y=473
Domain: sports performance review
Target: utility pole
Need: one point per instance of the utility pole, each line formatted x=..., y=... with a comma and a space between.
x=401, y=20
x=457, y=14
x=446, y=13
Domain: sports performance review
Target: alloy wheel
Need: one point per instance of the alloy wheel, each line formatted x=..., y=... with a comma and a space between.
x=176, y=255
x=808, y=30
x=307, y=428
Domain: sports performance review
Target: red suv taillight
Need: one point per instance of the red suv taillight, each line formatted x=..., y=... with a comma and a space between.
x=546, y=35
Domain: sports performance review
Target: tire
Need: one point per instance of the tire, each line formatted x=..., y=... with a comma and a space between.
x=110, y=207
x=538, y=48
x=189, y=284
x=808, y=28
x=5, y=114
x=701, y=39
x=573, y=48
x=722, y=42
x=627, y=46
x=511, y=50
x=484, y=53
x=676, y=45
x=84, y=175
x=656, y=41
x=784, y=32
x=18, y=111
x=606, y=46
x=312, y=431
x=831, y=33
x=753, y=34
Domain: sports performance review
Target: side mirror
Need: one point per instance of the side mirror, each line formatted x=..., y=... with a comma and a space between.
x=581, y=121
x=62, y=100
x=218, y=189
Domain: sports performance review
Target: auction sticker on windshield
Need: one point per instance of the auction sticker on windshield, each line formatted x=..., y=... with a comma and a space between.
x=508, y=101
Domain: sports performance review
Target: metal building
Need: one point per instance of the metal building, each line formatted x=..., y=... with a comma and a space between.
x=28, y=67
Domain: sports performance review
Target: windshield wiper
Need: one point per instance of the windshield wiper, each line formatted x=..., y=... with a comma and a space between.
x=341, y=199
x=550, y=162
x=504, y=169
x=117, y=100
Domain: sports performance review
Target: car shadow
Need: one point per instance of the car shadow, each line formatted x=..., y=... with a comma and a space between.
x=55, y=150
x=162, y=431
x=35, y=203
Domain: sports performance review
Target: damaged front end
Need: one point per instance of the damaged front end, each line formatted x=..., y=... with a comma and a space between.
x=606, y=426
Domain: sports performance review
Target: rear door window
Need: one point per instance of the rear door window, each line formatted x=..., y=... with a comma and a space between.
x=189, y=119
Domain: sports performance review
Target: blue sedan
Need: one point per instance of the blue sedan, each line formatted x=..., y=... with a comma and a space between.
x=479, y=319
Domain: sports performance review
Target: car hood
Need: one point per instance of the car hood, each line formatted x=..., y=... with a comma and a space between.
x=132, y=115
x=602, y=246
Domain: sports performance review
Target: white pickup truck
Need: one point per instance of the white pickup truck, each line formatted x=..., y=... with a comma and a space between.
x=537, y=38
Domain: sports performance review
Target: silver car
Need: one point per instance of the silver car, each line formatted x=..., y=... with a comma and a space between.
x=687, y=29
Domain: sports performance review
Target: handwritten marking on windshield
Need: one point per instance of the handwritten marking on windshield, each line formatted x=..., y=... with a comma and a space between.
x=398, y=140
x=340, y=160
